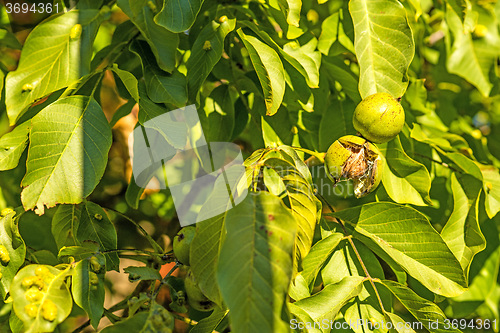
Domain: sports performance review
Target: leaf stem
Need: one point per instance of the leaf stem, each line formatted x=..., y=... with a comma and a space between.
x=188, y=321
x=351, y=242
x=446, y=165
x=361, y=262
x=164, y=280
x=150, y=239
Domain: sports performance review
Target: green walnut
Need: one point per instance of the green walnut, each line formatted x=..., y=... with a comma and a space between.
x=353, y=157
x=379, y=118
x=182, y=243
x=196, y=299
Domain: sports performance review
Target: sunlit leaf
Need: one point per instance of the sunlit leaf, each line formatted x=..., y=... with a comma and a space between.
x=51, y=63
x=13, y=251
x=404, y=179
x=328, y=302
x=405, y=235
x=255, y=264
x=70, y=134
x=269, y=69
x=49, y=301
x=12, y=145
x=384, y=46
x=426, y=312
x=462, y=232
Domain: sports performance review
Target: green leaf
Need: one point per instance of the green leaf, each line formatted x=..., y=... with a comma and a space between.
x=53, y=293
x=333, y=39
x=405, y=235
x=162, y=87
x=308, y=57
x=269, y=69
x=336, y=122
x=50, y=63
x=96, y=226
x=426, y=312
x=469, y=59
x=341, y=72
x=12, y=247
x=150, y=117
x=218, y=117
x=399, y=324
x=205, y=53
x=482, y=279
x=178, y=15
x=210, y=323
x=296, y=179
x=122, y=111
x=462, y=232
x=65, y=225
x=128, y=80
x=70, y=134
x=345, y=263
x=12, y=146
x=404, y=179
x=384, y=46
x=142, y=273
x=292, y=9
x=328, y=302
x=87, y=288
x=133, y=193
x=491, y=188
x=204, y=255
x=163, y=42
x=78, y=253
x=255, y=264
x=318, y=255
x=9, y=40
x=157, y=319
x=272, y=43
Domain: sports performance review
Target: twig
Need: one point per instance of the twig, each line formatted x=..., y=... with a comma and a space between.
x=164, y=280
x=188, y=321
x=446, y=165
x=150, y=239
x=349, y=238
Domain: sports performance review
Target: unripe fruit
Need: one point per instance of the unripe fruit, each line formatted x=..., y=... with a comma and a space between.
x=182, y=243
x=353, y=157
x=196, y=299
x=379, y=118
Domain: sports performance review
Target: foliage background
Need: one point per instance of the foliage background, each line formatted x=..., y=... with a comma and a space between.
x=274, y=74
